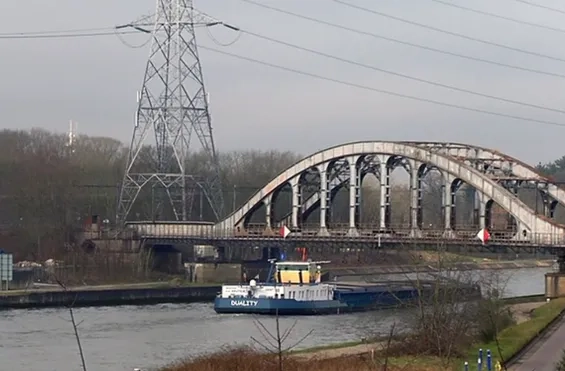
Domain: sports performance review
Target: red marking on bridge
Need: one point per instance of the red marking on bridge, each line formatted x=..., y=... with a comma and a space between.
x=284, y=231
x=483, y=235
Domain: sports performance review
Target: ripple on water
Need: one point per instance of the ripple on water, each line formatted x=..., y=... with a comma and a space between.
x=121, y=338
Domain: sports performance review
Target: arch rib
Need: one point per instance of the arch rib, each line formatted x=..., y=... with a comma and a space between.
x=519, y=168
x=523, y=214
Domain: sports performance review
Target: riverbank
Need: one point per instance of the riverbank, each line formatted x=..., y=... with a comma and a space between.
x=108, y=295
x=532, y=320
x=522, y=309
x=178, y=291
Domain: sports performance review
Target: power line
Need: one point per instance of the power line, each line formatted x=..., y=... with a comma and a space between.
x=541, y=6
x=493, y=15
x=374, y=68
x=62, y=35
x=407, y=43
x=369, y=88
x=92, y=32
x=86, y=33
x=456, y=34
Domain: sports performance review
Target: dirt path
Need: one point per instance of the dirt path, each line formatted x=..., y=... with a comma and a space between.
x=338, y=352
x=523, y=311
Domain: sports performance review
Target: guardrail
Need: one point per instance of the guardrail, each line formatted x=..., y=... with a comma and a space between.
x=366, y=233
x=545, y=239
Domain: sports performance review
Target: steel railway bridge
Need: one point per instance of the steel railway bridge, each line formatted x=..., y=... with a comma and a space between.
x=495, y=177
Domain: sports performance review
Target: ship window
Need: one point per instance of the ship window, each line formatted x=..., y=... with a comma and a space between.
x=276, y=296
x=282, y=296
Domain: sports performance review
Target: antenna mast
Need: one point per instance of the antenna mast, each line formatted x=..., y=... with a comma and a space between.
x=173, y=104
x=71, y=136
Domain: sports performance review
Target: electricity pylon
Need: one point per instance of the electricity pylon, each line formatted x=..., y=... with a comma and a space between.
x=173, y=104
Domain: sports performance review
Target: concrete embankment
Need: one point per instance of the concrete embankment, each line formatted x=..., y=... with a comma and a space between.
x=107, y=295
x=425, y=268
x=154, y=293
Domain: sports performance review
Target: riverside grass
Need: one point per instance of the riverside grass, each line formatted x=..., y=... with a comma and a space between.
x=510, y=341
x=515, y=338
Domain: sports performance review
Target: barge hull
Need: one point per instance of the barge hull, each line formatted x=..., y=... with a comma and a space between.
x=357, y=301
x=284, y=307
x=347, y=298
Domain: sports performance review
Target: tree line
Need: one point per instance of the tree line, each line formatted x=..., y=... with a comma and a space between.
x=48, y=190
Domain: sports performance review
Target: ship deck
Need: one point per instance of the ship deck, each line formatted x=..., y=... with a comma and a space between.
x=381, y=286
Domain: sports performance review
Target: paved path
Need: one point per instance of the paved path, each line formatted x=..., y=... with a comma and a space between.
x=543, y=355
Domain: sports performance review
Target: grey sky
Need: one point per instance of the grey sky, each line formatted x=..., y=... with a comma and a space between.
x=93, y=81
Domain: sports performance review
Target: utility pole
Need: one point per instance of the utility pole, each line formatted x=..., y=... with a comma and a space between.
x=172, y=104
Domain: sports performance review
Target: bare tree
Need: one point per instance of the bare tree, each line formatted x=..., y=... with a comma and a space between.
x=274, y=342
x=449, y=314
x=493, y=315
x=74, y=324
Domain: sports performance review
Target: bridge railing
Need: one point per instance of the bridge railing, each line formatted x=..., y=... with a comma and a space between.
x=369, y=233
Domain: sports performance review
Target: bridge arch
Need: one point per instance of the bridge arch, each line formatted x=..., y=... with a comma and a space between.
x=418, y=153
x=517, y=167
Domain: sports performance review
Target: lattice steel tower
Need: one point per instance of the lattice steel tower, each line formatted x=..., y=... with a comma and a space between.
x=172, y=104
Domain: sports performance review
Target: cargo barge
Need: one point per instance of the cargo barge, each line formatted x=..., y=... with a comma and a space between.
x=295, y=288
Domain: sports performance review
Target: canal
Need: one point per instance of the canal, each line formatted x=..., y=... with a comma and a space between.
x=125, y=337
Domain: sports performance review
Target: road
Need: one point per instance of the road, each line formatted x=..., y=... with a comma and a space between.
x=545, y=352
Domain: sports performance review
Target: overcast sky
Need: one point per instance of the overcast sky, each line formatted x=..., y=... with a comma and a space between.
x=45, y=83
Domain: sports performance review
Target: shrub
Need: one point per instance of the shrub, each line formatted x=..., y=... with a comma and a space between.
x=493, y=316
x=560, y=366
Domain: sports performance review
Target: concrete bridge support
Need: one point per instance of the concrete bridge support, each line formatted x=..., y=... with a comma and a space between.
x=555, y=281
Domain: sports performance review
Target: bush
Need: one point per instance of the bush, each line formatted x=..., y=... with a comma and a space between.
x=560, y=366
x=248, y=359
x=493, y=316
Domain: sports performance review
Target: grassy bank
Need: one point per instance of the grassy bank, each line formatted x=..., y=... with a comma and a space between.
x=513, y=339
x=246, y=359
x=370, y=356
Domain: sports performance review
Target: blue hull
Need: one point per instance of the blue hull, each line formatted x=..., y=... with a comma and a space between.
x=344, y=301
x=347, y=298
x=289, y=307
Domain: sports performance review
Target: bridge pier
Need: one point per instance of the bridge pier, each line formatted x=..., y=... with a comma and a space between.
x=555, y=281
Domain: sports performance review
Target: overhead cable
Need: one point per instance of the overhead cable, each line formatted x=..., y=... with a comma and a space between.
x=382, y=91
x=447, y=32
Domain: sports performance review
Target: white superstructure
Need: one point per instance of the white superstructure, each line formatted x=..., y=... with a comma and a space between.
x=293, y=280
x=309, y=292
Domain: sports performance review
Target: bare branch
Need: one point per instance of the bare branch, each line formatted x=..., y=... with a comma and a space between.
x=73, y=322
